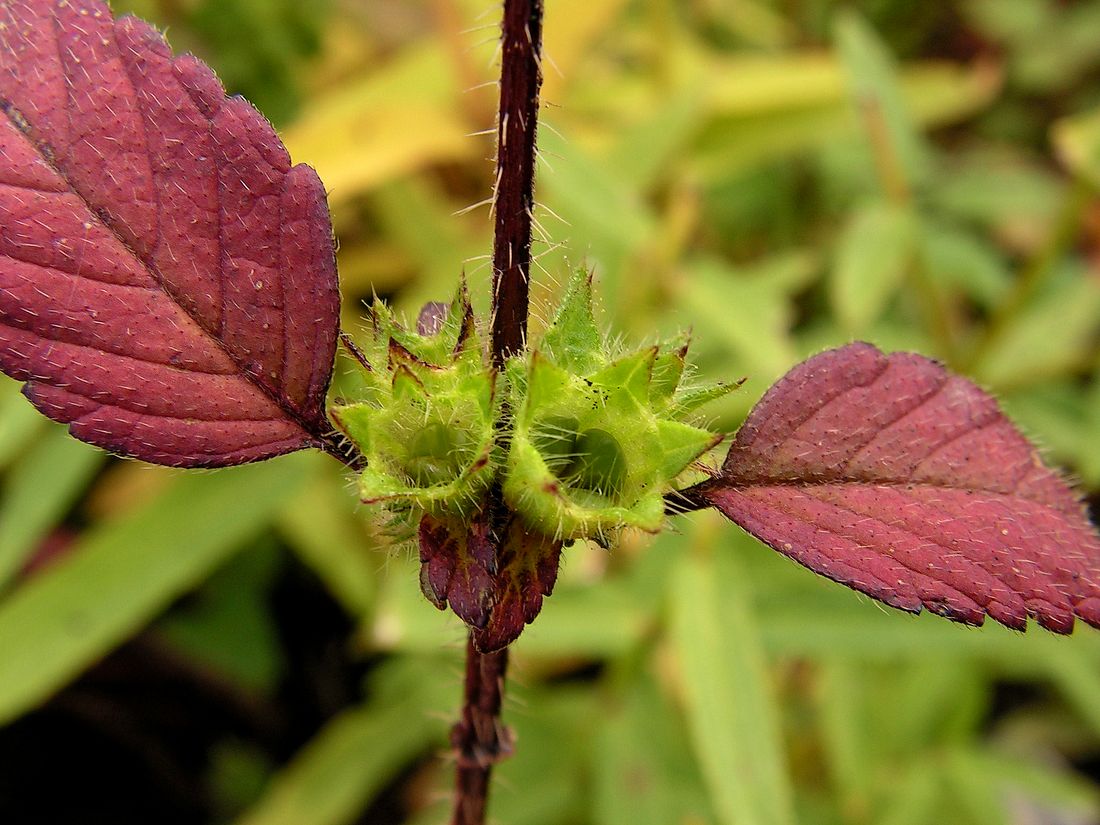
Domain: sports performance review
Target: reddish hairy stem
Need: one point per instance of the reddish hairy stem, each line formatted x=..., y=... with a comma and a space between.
x=480, y=739
x=520, y=79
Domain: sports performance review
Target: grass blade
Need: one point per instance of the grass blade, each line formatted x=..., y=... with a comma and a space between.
x=730, y=709
x=123, y=573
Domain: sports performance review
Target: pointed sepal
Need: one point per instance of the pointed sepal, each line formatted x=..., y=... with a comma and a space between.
x=689, y=400
x=630, y=375
x=668, y=371
x=573, y=340
x=681, y=444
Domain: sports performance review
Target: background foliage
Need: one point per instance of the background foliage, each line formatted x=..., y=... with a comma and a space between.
x=778, y=175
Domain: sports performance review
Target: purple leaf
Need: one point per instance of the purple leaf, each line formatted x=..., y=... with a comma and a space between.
x=167, y=278
x=894, y=477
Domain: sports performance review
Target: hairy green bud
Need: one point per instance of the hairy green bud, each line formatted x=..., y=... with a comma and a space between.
x=427, y=425
x=596, y=442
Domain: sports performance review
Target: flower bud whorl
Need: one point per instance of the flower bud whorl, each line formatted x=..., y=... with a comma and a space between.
x=596, y=443
x=588, y=445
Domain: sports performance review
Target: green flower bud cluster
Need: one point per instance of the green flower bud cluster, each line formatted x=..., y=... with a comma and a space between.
x=595, y=440
x=426, y=425
x=598, y=439
x=583, y=443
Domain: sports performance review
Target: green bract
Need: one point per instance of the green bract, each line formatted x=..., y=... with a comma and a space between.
x=597, y=440
x=426, y=426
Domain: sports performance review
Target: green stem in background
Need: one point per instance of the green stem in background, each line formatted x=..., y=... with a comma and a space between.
x=480, y=739
x=940, y=315
x=1035, y=275
x=888, y=166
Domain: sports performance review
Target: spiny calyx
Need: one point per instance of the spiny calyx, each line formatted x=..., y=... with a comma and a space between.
x=426, y=426
x=598, y=439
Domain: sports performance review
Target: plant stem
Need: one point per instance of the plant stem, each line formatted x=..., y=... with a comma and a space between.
x=940, y=315
x=520, y=79
x=480, y=739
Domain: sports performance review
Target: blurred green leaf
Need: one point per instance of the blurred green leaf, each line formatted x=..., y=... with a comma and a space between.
x=1055, y=415
x=941, y=706
x=644, y=771
x=1089, y=465
x=873, y=256
x=37, y=493
x=1029, y=28
x=383, y=125
x=258, y=46
x=544, y=782
x=729, y=703
x=914, y=798
x=417, y=216
x=334, y=777
x=879, y=101
x=643, y=150
x=754, y=84
x=401, y=618
x=1077, y=141
x=227, y=625
x=238, y=773
x=586, y=622
x=755, y=21
x=1021, y=787
x=976, y=795
x=845, y=736
x=18, y=420
x=1010, y=19
x=749, y=310
x=569, y=37
x=319, y=526
x=958, y=260
x=1050, y=336
x=1079, y=680
x=998, y=189
x=934, y=94
x=610, y=213
x=119, y=575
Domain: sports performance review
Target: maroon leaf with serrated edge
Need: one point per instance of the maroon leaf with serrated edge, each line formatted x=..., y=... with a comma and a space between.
x=167, y=278
x=903, y=481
